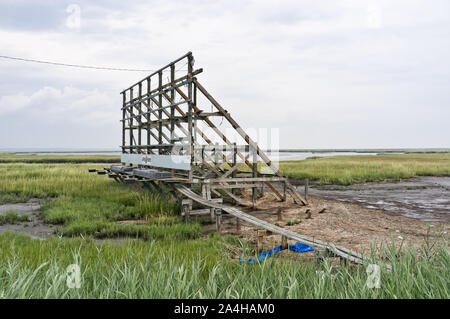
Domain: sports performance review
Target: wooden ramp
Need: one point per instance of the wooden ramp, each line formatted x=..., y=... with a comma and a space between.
x=329, y=247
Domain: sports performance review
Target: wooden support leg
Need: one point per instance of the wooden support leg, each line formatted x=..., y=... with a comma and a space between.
x=306, y=188
x=279, y=216
x=204, y=191
x=186, y=210
x=284, y=191
x=218, y=213
x=238, y=225
x=254, y=174
x=343, y=261
x=208, y=196
x=284, y=244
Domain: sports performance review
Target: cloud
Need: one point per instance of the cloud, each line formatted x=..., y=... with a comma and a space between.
x=337, y=73
x=68, y=105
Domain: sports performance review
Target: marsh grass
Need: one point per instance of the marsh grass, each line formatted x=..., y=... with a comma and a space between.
x=198, y=269
x=11, y=217
x=88, y=204
x=171, y=261
x=346, y=170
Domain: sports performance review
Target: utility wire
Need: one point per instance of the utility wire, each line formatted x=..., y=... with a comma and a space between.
x=76, y=65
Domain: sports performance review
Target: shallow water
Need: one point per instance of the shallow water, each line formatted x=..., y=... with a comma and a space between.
x=424, y=198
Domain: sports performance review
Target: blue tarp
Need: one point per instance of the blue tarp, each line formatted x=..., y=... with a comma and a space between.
x=298, y=247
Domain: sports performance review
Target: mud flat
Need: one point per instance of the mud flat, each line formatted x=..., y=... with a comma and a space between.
x=34, y=227
x=424, y=198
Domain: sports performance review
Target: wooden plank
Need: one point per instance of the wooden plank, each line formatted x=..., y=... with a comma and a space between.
x=231, y=186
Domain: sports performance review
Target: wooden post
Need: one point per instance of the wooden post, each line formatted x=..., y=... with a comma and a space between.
x=123, y=122
x=284, y=191
x=279, y=217
x=160, y=101
x=172, y=108
x=284, y=244
x=208, y=196
x=148, y=116
x=186, y=210
x=218, y=213
x=233, y=174
x=255, y=174
x=204, y=191
x=139, y=118
x=131, y=121
x=191, y=142
x=195, y=127
x=238, y=225
x=306, y=188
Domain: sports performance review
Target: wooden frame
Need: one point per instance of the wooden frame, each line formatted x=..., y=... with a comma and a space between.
x=160, y=117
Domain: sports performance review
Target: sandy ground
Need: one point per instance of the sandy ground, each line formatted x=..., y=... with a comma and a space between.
x=345, y=224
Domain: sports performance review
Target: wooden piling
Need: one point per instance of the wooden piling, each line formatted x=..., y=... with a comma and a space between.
x=306, y=188
x=279, y=217
x=186, y=212
x=284, y=243
x=218, y=213
x=254, y=174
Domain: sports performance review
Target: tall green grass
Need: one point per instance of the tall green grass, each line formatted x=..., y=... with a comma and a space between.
x=200, y=269
x=172, y=262
x=87, y=204
x=346, y=170
x=11, y=217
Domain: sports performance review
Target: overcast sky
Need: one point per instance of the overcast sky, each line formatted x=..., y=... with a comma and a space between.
x=327, y=74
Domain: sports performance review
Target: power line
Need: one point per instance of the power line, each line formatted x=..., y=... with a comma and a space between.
x=75, y=65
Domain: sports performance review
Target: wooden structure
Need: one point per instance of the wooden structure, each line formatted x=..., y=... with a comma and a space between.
x=169, y=135
x=170, y=141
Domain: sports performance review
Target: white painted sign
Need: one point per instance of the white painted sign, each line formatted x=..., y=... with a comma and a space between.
x=182, y=162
